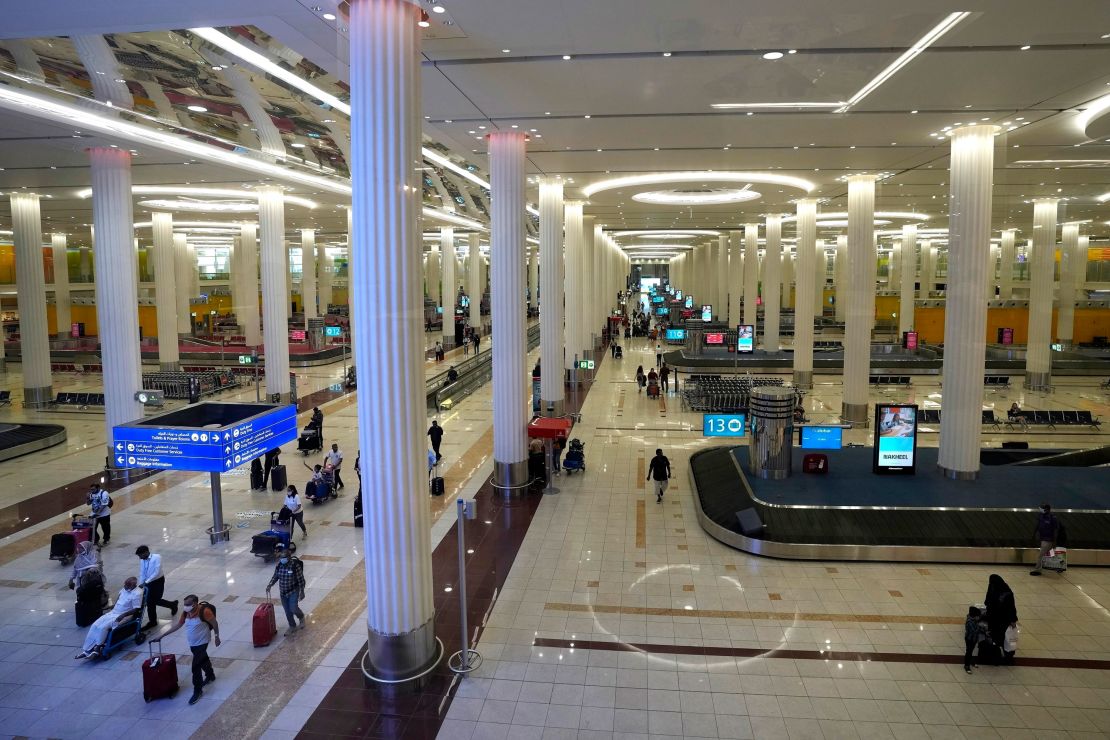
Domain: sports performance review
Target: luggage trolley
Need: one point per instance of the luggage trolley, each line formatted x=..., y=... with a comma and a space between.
x=264, y=544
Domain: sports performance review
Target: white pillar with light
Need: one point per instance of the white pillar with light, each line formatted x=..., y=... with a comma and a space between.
x=30, y=282
x=860, y=308
x=1038, y=351
x=551, y=315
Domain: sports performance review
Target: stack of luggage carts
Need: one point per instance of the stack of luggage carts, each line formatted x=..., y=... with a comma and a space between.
x=717, y=394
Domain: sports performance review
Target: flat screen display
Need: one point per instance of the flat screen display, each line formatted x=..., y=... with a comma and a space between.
x=675, y=335
x=678, y=294
x=662, y=311
x=689, y=301
x=723, y=425
x=821, y=438
x=296, y=335
x=707, y=313
x=895, y=438
x=658, y=299
x=909, y=339
x=714, y=338
x=745, y=338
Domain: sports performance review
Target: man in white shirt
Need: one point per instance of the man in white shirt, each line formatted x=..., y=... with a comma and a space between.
x=154, y=581
x=128, y=605
x=101, y=504
x=335, y=459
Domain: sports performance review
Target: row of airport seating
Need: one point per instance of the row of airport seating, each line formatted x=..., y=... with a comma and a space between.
x=1050, y=419
x=889, y=380
x=78, y=400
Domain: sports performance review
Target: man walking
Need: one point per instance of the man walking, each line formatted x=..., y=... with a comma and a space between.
x=335, y=459
x=436, y=433
x=659, y=472
x=1048, y=527
x=664, y=375
x=101, y=504
x=199, y=621
x=154, y=581
x=289, y=575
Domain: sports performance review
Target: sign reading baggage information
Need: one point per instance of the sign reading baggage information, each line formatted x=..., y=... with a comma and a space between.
x=723, y=425
x=203, y=450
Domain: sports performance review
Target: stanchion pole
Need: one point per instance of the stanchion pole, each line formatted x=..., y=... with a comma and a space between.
x=549, y=452
x=465, y=660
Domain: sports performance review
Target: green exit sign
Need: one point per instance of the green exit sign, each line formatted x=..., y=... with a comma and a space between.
x=585, y=364
x=247, y=359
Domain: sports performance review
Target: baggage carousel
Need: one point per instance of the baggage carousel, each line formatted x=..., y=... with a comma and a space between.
x=852, y=514
x=22, y=439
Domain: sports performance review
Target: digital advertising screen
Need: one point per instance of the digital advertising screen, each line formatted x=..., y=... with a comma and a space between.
x=296, y=335
x=675, y=335
x=821, y=437
x=714, y=338
x=723, y=425
x=707, y=313
x=895, y=438
x=1005, y=335
x=745, y=338
x=678, y=295
x=909, y=340
x=658, y=299
x=689, y=301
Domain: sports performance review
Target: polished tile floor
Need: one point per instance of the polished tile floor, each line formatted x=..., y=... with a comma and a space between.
x=618, y=618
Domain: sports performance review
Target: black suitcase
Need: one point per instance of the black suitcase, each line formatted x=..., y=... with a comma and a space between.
x=89, y=606
x=62, y=545
x=256, y=476
x=264, y=544
x=437, y=486
x=278, y=481
x=989, y=653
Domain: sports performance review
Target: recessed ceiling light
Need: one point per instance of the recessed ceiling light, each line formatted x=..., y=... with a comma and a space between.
x=1025, y=48
x=771, y=55
x=515, y=126
x=423, y=23
x=328, y=16
x=505, y=51
x=586, y=116
x=792, y=51
x=438, y=9
x=913, y=111
x=297, y=145
x=197, y=108
x=566, y=57
x=666, y=53
x=481, y=127
x=326, y=120
x=547, y=113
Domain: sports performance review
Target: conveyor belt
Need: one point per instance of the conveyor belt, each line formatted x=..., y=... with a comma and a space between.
x=22, y=439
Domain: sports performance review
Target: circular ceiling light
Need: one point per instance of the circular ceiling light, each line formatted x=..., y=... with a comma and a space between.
x=897, y=215
x=193, y=192
x=696, y=196
x=656, y=247
x=653, y=232
x=843, y=222
x=773, y=55
x=661, y=178
x=666, y=235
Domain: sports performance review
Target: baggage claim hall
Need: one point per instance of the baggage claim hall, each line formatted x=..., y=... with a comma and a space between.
x=476, y=369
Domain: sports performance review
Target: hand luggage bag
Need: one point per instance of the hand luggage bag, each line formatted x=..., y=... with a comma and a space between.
x=81, y=534
x=264, y=543
x=264, y=624
x=277, y=478
x=437, y=486
x=1056, y=561
x=815, y=463
x=159, y=674
x=63, y=546
x=87, y=611
x=358, y=510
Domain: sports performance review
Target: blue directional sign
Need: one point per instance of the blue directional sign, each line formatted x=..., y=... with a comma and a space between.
x=203, y=450
x=723, y=425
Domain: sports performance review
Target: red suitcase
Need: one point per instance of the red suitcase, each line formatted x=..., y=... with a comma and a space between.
x=814, y=463
x=159, y=674
x=264, y=625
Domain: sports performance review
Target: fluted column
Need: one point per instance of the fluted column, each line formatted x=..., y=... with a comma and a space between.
x=275, y=298
x=385, y=260
x=30, y=281
x=534, y=271
x=183, y=275
x=840, y=279
x=1065, y=312
x=62, y=316
x=820, y=266
x=450, y=287
x=803, y=307
x=787, y=275
x=432, y=273
x=860, y=307
x=587, y=261
x=117, y=267
x=735, y=279
x=928, y=268
x=907, y=272
x=721, y=270
x=751, y=273
x=308, y=274
x=1081, y=267
x=596, y=247
x=965, y=315
x=165, y=290
x=510, y=417
x=324, y=268
x=288, y=275
x=772, y=284
x=474, y=281
x=572, y=283
x=248, y=312
x=551, y=313
x=989, y=277
x=1006, y=266
x=1038, y=353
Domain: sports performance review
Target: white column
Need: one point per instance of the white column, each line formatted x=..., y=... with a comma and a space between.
x=431, y=274
x=184, y=288
x=1081, y=267
x=803, y=307
x=772, y=284
x=989, y=277
x=61, y=286
x=751, y=273
x=248, y=279
x=860, y=307
x=165, y=290
x=1065, y=312
x=450, y=288
x=287, y=250
x=735, y=279
x=907, y=271
x=572, y=283
x=721, y=309
x=534, y=270
x=475, y=285
x=1006, y=266
x=1038, y=353
x=965, y=316
x=586, y=296
x=30, y=280
x=840, y=278
x=928, y=268
x=787, y=274
x=324, y=268
x=308, y=274
x=510, y=413
x=551, y=314
x=385, y=260
x=275, y=296
x=820, y=267
x=117, y=314
x=597, y=294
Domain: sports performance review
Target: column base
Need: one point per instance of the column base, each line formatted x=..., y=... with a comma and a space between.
x=854, y=413
x=803, y=379
x=958, y=474
x=1037, y=381
x=170, y=367
x=37, y=397
x=394, y=659
x=510, y=474
x=552, y=408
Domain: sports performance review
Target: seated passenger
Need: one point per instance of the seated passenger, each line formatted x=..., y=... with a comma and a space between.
x=1015, y=413
x=318, y=486
x=128, y=606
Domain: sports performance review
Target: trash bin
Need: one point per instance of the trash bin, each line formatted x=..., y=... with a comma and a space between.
x=772, y=411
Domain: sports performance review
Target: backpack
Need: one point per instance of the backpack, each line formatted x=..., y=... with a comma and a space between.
x=206, y=606
x=111, y=503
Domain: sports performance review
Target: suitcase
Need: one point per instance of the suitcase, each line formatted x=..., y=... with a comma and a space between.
x=278, y=480
x=159, y=674
x=264, y=544
x=815, y=463
x=1056, y=562
x=81, y=534
x=264, y=625
x=63, y=546
x=87, y=612
x=437, y=486
x=256, y=477
x=989, y=653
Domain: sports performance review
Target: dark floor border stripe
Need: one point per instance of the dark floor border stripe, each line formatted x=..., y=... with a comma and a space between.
x=786, y=654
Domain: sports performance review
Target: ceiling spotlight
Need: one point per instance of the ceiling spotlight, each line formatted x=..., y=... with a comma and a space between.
x=328, y=16
x=566, y=57
x=197, y=108
x=297, y=145
x=1025, y=48
x=438, y=9
x=792, y=51
x=666, y=53
x=505, y=51
x=423, y=22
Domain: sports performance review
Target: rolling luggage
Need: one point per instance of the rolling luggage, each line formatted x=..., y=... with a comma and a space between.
x=264, y=625
x=437, y=486
x=815, y=463
x=159, y=674
x=358, y=510
x=278, y=479
x=264, y=543
x=87, y=612
x=63, y=546
x=257, y=475
x=1056, y=561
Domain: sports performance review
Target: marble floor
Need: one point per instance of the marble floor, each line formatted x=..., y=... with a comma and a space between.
x=618, y=617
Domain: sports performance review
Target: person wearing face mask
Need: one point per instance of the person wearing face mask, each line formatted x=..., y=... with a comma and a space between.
x=293, y=503
x=199, y=620
x=128, y=605
x=154, y=581
x=289, y=575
